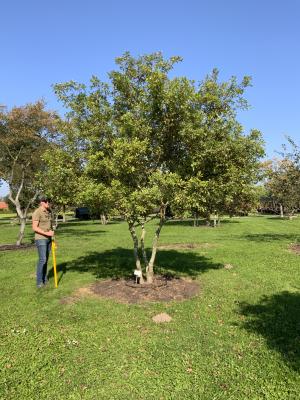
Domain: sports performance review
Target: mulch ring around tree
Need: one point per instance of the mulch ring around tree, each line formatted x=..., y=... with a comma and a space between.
x=4, y=247
x=163, y=289
x=295, y=248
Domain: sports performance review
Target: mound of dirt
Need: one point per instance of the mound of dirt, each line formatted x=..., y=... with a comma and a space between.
x=126, y=291
x=160, y=318
x=4, y=247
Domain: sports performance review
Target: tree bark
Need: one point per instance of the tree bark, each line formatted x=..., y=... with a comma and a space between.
x=196, y=219
x=64, y=213
x=149, y=269
x=281, y=211
x=215, y=219
x=207, y=219
x=143, y=244
x=21, y=214
x=136, y=251
x=21, y=231
x=55, y=222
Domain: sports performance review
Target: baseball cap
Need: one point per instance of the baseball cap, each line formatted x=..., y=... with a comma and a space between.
x=44, y=199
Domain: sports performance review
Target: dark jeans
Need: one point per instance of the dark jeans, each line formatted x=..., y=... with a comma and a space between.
x=44, y=248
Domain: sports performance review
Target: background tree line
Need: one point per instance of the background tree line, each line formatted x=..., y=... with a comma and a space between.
x=281, y=193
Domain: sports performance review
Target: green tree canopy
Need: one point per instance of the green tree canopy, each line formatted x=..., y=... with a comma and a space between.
x=25, y=134
x=283, y=185
x=147, y=141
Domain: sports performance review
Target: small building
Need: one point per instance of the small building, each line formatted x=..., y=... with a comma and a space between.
x=3, y=206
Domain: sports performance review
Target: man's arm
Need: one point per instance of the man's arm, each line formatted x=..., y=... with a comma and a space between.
x=35, y=228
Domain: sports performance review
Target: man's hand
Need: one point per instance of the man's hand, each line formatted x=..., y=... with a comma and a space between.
x=36, y=229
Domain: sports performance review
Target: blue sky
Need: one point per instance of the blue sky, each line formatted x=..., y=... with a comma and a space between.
x=43, y=43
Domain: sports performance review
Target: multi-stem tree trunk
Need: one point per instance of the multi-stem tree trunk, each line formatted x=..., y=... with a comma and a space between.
x=22, y=214
x=138, y=264
x=215, y=218
x=149, y=265
x=143, y=243
x=103, y=219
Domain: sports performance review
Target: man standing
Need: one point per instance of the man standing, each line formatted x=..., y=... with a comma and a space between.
x=42, y=226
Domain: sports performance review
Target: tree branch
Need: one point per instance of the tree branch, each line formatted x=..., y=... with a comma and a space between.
x=21, y=185
x=31, y=202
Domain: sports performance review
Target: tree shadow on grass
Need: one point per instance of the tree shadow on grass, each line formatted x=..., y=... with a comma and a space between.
x=119, y=262
x=87, y=222
x=6, y=219
x=270, y=237
x=202, y=223
x=276, y=218
x=79, y=232
x=277, y=319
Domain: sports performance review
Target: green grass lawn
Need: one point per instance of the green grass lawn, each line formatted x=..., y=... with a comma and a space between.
x=238, y=339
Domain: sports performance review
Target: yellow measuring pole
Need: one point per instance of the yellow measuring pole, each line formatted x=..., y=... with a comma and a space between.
x=53, y=248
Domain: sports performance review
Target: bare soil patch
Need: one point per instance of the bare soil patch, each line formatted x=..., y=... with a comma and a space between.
x=295, y=248
x=161, y=318
x=228, y=266
x=163, y=289
x=4, y=247
x=185, y=246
